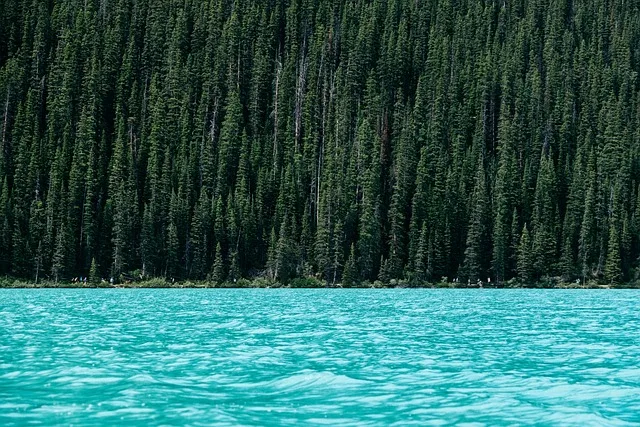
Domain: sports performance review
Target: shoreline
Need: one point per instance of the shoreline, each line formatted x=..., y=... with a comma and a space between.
x=11, y=283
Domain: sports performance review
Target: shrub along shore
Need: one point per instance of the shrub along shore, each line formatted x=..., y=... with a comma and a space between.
x=308, y=283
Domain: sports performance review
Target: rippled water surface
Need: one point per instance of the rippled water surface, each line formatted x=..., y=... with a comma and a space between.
x=319, y=357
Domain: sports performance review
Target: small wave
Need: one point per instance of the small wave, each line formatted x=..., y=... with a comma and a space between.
x=143, y=379
x=123, y=411
x=316, y=380
x=261, y=331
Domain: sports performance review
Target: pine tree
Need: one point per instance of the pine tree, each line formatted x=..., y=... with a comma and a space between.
x=350, y=273
x=504, y=200
x=172, y=270
x=588, y=229
x=122, y=202
x=613, y=263
x=370, y=239
x=421, y=271
x=474, y=263
x=36, y=234
x=230, y=141
x=5, y=229
x=198, y=240
x=217, y=270
x=525, y=257
x=545, y=220
x=148, y=242
x=59, y=256
x=94, y=273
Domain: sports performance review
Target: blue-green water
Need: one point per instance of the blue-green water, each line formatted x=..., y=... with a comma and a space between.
x=319, y=357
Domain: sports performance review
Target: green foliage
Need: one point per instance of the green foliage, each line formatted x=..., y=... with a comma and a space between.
x=525, y=257
x=306, y=282
x=94, y=273
x=350, y=273
x=345, y=141
x=217, y=271
x=475, y=253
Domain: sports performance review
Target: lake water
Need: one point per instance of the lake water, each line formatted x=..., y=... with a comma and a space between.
x=320, y=357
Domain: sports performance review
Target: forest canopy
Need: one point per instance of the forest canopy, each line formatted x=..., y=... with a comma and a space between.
x=348, y=140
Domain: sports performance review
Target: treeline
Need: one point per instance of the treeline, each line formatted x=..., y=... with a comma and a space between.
x=343, y=139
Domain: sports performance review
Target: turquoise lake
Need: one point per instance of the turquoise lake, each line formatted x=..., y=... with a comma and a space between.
x=319, y=357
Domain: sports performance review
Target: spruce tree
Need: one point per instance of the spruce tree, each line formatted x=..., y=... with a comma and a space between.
x=350, y=273
x=217, y=270
x=474, y=262
x=525, y=257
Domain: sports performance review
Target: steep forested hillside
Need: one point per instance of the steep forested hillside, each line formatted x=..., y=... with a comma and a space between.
x=346, y=139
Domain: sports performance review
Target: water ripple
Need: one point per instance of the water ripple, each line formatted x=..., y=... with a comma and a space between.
x=320, y=357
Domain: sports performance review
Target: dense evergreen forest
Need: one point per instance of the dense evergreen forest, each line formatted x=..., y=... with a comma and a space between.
x=346, y=140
